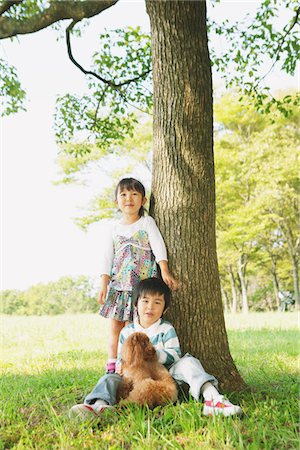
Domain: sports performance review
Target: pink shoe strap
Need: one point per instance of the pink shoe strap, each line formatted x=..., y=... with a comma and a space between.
x=110, y=367
x=218, y=404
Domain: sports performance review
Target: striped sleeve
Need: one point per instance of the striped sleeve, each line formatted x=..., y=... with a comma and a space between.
x=170, y=351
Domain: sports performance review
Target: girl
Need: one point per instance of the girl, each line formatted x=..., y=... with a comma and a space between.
x=134, y=247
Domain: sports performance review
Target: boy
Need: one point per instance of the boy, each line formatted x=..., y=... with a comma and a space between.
x=151, y=299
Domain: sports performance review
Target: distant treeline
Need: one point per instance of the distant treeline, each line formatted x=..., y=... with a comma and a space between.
x=67, y=295
x=79, y=295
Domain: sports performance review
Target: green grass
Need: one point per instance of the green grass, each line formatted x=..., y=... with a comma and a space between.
x=50, y=363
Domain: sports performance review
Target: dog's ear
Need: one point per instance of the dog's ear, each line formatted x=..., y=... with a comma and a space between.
x=150, y=353
x=133, y=349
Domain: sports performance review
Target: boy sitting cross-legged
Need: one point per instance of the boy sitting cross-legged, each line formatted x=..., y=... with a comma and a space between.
x=151, y=299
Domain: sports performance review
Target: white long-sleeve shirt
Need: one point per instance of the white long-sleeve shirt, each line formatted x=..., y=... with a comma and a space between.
x=142, y=234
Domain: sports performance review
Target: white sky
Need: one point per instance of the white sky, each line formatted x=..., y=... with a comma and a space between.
x=40, y=241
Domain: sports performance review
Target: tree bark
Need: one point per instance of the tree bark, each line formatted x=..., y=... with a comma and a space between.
x=233, y=291
x=183, y=190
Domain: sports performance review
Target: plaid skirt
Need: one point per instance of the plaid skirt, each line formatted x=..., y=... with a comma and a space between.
x=118, y=305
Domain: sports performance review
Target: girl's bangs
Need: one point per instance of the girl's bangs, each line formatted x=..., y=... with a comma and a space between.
x=131, y=185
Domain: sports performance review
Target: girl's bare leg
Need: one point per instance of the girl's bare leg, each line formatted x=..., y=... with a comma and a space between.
x=115, y=329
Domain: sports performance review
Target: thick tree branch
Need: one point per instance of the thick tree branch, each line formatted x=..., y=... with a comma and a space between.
x=58, y=10
x=5, y=6
x=110, y=83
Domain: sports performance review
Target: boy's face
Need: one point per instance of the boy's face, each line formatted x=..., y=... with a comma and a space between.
x=150, y=308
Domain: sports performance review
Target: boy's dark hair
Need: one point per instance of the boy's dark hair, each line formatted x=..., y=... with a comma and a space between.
x=131, y=184
x=152, y=286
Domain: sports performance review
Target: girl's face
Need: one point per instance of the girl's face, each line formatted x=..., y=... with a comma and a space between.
x=130, y=202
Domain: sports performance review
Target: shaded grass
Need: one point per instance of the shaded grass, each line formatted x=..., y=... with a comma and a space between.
x=50, y=363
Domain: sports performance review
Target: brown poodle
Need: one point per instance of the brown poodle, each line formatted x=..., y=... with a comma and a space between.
x=145, y=380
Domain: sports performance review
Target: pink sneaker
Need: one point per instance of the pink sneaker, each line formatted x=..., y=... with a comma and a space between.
x=221, y=406
x=110, y=367
x=87, y=412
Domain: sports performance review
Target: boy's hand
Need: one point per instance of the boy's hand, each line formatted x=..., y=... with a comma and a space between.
x=103, y=289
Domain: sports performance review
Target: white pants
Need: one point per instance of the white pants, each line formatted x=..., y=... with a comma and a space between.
x=189, y=370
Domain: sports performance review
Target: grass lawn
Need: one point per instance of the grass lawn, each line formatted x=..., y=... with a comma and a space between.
x=50, y=363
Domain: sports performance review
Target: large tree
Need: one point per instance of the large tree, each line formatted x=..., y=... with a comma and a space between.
x=183, y=177
x=183, y=191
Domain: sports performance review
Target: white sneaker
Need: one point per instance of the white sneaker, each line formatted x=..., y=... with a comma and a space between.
x=86, y=412
x=221, y=406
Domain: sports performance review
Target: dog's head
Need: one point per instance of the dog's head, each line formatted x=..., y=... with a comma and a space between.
x=137, y=348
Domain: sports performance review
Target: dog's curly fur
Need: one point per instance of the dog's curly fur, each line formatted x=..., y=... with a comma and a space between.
x=145, y=380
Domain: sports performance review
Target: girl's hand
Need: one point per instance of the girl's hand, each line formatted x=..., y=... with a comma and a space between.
x=102, y=295
x=103, y=289
x=170, y=281
x=166, y=276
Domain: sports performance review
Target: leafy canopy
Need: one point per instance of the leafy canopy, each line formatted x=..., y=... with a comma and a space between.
x=120, y=73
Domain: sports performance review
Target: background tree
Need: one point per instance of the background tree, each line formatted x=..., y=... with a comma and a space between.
x=11, y=94
x=12, y=301
x=246, y=44
x=257, y=192
x=278, y=196
x=252, y=42
x=66, y=295
x=134, y=155
x=235, y=183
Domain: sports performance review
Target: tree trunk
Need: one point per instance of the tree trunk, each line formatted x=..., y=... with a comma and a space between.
x=241, y=273
x=296, y=281
x=275, y=281
x=183, y=191
x=234, y=292
x=293, y=248
x=225, y=300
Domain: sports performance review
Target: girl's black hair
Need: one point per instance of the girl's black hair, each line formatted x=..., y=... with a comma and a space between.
x=152, y=286
x=131, y=184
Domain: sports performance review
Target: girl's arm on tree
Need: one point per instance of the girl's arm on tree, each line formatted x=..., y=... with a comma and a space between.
x=167, y=276
x=159, y=250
